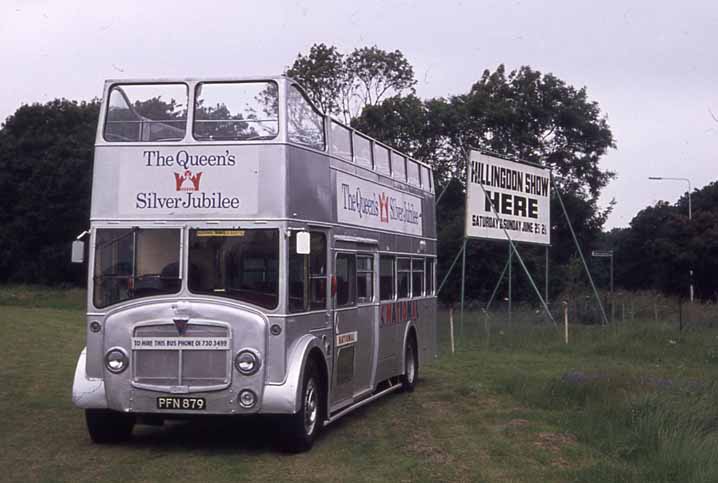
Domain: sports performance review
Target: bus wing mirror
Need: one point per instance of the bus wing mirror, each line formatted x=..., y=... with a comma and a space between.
x=78, y=251
x=303, y=245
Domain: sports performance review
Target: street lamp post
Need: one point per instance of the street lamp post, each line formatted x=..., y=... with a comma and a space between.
x=690, y=215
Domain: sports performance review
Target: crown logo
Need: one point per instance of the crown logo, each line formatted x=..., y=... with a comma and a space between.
x=187, y=181
x=383, y=208
x=181, y=325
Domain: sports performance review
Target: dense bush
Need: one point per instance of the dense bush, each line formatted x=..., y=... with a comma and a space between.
x=45, y=179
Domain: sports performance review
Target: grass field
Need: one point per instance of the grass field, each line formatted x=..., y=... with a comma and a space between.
x=631, y=406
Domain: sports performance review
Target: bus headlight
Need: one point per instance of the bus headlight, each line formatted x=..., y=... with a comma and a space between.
x=116, y=360
x=246, y=362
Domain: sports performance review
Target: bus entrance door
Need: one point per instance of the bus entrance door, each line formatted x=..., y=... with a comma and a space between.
x=354, y=327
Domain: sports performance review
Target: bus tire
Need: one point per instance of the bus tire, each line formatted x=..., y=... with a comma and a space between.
x=411, y=365
x=106, y=426
x=301, y=429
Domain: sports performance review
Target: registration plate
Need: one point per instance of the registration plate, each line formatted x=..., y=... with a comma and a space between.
x=181, y=403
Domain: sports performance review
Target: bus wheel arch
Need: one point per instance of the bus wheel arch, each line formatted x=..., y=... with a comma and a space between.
x=301, y=428
x=316, y=357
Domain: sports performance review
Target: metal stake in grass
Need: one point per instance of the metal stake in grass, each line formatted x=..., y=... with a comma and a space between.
x=451, y=327
x=565, y=322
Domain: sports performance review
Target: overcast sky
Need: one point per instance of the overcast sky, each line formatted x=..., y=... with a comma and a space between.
x=652, y=66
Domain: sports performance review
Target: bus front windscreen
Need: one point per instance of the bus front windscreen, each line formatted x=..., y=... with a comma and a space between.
x=146, y=112
x=133, y=262
x=239, y=264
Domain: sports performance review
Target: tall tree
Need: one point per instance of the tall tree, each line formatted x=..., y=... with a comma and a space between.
x=661, y=245
x=323, y=73
x=523, y=114
x=414, y=127
x=378, y=73
x=343, y=85
x=538, y=118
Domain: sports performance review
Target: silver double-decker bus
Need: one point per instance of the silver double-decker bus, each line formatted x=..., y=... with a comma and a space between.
x=248, y=255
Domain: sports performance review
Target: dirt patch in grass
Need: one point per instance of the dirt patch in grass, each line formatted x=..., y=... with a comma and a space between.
x=437, y=409
x=554, y=443
x=423, y=445
x=516, y=424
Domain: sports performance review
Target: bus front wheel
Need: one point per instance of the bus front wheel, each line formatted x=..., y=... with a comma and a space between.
x=300, y=429
x=106, y=426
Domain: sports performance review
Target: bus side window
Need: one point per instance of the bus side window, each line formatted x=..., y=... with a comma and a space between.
x=381, y=160
x=417, y=277
x=425, y=178
x=412, y=172
x=346, y=279
x=365, y=278
x=398, y=166
x=308, y=274
x=318, y=271
x=430, y=264
x=404, y=277
x=341, y=141
x=362, y=151
x=305, y=124
x=387, y=288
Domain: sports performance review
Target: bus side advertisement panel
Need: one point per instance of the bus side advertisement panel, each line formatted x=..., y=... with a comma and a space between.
x=363, y=203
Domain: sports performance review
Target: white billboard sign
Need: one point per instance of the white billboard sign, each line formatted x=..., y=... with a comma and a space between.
x=520, y=195
x=363, y=203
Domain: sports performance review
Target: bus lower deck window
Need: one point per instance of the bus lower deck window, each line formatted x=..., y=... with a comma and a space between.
x=403, y=277
x=365, y=278
x=417, y=277
x=132, y=263
x=307, y=283
x=346, y=279
x=239, y=264
x=386, y=278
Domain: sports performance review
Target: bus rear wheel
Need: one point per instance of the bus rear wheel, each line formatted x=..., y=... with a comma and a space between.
x=411, y=365
x=106, y=426
x=301, y=429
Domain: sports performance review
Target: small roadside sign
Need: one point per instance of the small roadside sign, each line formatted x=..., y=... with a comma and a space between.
x=602, y=253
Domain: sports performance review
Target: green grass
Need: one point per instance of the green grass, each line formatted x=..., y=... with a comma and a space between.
x=44, y=297
x=633, y=406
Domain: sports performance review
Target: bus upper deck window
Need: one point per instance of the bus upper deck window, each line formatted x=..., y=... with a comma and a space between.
x=236, y=111
x=341, y=141
x=145, y=113
x=362, y=151
x=305, y=124
x=412, y=172
x=381, y=160
x=398, y=166
x=425, y=178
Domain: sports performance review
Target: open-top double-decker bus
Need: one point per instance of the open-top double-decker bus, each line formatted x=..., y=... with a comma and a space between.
x=249, y=255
